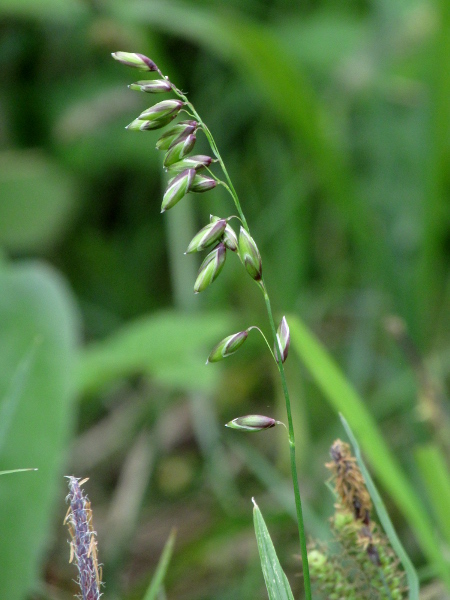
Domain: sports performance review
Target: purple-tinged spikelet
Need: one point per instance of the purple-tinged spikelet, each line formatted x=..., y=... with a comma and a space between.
x=83, y=546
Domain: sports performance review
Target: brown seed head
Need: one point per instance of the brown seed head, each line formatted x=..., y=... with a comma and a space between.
x=349, y=482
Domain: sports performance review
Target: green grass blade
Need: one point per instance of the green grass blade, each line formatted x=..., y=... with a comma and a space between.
x=161, y=569
x=432, y=265
x=413, y=580
x=435, y=474
x=344, y=399
x=16, y=471
x=277, y=583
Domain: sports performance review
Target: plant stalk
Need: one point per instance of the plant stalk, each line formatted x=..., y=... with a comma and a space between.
x=298, y=502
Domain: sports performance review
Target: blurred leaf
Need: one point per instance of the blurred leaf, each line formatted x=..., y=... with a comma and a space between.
x=433, y=267
x=168, y=346
x=413, y=580
x=323, y=40
x=10, y=402
x=277, y=583
x=50, y=10
x=36, y=200
x=344, y=398
x=161, y=569
x=34, y=304
x=436, y=476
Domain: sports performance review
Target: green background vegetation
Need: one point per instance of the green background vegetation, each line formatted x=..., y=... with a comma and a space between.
x=333, y=120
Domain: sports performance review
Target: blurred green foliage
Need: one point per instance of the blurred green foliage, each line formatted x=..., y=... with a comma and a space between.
x=334, y=124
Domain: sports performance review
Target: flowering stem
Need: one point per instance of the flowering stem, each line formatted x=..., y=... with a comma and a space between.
x=298, y=502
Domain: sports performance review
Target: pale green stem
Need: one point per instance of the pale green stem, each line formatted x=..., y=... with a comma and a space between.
x=298, y=502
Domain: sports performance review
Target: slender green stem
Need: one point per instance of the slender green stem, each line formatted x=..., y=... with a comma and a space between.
x=298, y=502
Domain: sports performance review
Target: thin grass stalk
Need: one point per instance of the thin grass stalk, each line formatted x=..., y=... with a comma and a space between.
x=159, y=116
x=298, y=502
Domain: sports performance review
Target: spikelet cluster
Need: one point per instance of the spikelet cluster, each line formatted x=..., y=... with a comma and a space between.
x=83, y=544
x=360, y=564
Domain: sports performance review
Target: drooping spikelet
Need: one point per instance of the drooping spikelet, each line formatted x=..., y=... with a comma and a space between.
x=83, y=545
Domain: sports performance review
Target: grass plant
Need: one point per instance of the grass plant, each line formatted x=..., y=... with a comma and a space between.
x=178, y=142
x=333, y=121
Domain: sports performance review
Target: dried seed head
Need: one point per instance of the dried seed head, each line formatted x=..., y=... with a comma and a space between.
x=169, y=136
x=202, y=183
x=349, y=482
x=197, y=162
x=132, y=59
x=283, y=340
x=178, y=187
x=179, y=148
x=227, y=346
x=161, y=110
x=249, y=255
x=153, y=86
x=84, y=544
x=210, y=268
x=252, y=423
x=208, y=235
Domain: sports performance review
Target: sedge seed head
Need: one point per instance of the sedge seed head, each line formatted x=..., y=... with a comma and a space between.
x=349, y=481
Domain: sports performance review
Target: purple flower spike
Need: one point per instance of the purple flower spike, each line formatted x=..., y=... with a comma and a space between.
x=83, y=544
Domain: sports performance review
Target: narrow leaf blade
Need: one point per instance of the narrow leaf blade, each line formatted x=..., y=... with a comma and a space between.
x=161, y=569
x=16, y=471
x=277, y=583
x=435, y=474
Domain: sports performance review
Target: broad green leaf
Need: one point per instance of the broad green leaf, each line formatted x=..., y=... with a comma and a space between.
x=34, y=305
x=161, y=569
x=11, y=399
x=413, y=580
x=436, y=476
x=37, y=199
x=167, y=346
x=343, y=398
x=277, y=583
